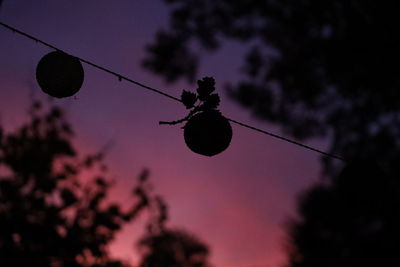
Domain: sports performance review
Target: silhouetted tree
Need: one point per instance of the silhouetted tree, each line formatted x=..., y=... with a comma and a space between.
x=165, y=247
x=170, y=248
x=353, y=221
x=51, y=212
x=317, y=68
x=54, y=209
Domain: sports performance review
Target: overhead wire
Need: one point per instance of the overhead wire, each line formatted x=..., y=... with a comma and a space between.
x=122, y=77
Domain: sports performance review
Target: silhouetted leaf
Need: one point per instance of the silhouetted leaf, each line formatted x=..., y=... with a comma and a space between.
x=205, y=87
x=212, y=101
x=188, y=99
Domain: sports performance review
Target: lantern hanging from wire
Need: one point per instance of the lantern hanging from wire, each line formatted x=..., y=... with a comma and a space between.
x=59, y=74
x=206, y=132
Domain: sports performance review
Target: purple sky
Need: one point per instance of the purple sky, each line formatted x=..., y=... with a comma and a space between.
x=236, y=202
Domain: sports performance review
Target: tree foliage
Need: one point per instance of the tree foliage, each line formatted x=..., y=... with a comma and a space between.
x=162, y=246
x=54, y=205
x=171, y=247
x=50, y=215
x=352, y=221
x=317, y=68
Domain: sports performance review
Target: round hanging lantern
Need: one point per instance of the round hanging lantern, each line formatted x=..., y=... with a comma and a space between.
x=208, y=133
x=59, y=74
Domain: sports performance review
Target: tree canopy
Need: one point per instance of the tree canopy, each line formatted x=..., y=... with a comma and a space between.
x=54, y=204
x=352, y=221
x=50, y=216
x=316, y=68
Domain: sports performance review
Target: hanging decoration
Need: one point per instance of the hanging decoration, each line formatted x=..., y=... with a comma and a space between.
x=59, y=74
x=206, y=131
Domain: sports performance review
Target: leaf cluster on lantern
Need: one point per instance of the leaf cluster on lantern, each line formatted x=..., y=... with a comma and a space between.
x=59, y=74
x=206, y=131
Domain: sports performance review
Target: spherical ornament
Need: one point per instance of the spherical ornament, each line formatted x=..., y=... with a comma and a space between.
x=59, y=75
x=208, y=133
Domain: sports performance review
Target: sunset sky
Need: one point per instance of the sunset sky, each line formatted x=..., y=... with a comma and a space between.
x=237, y=202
